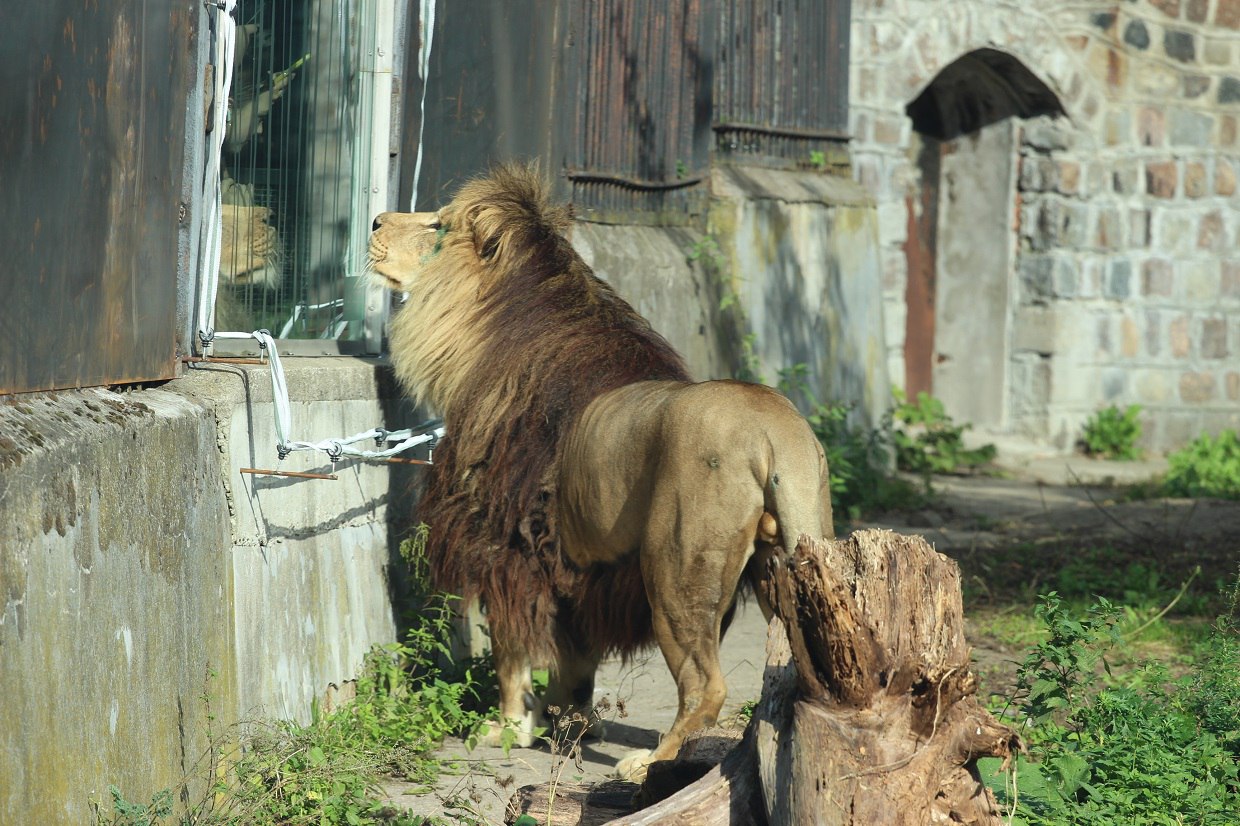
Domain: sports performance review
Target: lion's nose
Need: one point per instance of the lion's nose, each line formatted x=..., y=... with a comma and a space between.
x=375, y=224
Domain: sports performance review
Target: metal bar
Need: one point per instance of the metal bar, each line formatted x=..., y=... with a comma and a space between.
x=216, y=360
x=632, y=183
x=782, y=131
x=295, y=474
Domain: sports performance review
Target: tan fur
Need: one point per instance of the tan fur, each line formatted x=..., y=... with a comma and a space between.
x=687, y=486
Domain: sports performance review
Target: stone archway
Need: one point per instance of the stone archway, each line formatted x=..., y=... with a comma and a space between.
x=961, y=242
x=898, y=52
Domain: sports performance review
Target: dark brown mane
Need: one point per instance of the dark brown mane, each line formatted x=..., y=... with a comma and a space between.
x=551, y=337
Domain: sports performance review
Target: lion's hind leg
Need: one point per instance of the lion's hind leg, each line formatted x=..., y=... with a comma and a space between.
x=692, y=573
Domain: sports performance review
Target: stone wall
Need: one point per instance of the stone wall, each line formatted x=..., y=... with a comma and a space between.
x=1125, y=281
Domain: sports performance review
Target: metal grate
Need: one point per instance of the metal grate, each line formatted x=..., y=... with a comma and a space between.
x=781, y=78
x=296, y=167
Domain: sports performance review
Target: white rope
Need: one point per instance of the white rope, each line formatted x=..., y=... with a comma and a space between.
x=208, y=284
x=212, y=222
x=426, y=14
x=334, y=448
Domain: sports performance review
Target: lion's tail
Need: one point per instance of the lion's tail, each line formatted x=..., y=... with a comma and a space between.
x=797, y=501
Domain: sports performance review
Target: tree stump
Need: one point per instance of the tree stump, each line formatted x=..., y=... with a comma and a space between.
x=867, y=712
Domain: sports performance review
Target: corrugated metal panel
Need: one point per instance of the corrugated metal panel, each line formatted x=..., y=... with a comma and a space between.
x=491, y=94
x=781, y=86
x=92, y=158
x=641, y=72
x=620, y=96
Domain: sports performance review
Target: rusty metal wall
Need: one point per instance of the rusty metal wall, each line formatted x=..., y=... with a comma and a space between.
x=781, y=73
x=625, y=101
x=92, y=163
x=641, y=76
x=491, y=94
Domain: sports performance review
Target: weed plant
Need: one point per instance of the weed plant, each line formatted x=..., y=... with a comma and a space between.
x=927, y=441
x=1209, y=467
x=1112, y=433
x=1136, y=747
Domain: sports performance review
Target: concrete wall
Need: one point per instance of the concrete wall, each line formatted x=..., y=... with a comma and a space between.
x=1126, y=283
x=796, y=255
x=651, y=269
x=802, y=252
x=135, y=559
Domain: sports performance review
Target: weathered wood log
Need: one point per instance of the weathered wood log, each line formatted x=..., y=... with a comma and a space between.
x=572, y=804
x=699, y=755
x=701, y=752
x=867, y=712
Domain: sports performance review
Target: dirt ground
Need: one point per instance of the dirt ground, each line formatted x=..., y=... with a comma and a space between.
x=1012, y=535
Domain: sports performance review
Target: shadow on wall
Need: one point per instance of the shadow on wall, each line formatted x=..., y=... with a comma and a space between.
x=803, y=251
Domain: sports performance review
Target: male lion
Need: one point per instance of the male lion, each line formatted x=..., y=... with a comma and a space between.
x=588, y=493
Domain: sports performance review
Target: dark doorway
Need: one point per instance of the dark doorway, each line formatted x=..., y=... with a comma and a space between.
x=961, y=245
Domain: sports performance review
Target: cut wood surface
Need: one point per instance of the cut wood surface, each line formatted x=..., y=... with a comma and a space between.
x=868, y=713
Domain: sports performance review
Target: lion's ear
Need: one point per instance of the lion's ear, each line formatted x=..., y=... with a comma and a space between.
x=485, y=230
x=486, y=247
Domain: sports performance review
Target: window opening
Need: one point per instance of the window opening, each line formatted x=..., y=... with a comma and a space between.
x=224, y=254
x=296, y=170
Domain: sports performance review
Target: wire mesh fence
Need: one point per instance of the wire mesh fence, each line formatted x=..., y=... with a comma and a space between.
x=295, y=168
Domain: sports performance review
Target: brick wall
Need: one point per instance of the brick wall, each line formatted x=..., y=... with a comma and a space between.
x=1126, y=274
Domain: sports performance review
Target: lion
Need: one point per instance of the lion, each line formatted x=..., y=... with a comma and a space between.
x=590, y=494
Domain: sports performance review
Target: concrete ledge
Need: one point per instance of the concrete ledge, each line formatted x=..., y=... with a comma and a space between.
x=135, y=559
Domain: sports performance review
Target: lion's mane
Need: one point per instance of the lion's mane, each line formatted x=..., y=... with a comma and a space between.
x=510, y=335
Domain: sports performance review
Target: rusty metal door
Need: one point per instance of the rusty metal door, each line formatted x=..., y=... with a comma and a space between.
x=92, y=165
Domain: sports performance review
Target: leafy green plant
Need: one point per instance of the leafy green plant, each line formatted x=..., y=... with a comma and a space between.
x=857, y=460
x=1119, y=748
x=1113, y=433
x=750, y=367
x=927, y=441
x=1207, y=467
x=126, y=813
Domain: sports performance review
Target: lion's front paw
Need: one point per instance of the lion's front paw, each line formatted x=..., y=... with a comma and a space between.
x=493, y=734
x=633, y=765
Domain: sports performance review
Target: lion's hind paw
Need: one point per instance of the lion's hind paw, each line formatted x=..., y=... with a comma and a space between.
x=633, y=765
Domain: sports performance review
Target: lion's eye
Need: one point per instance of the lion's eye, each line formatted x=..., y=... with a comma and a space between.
x=434, y=226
